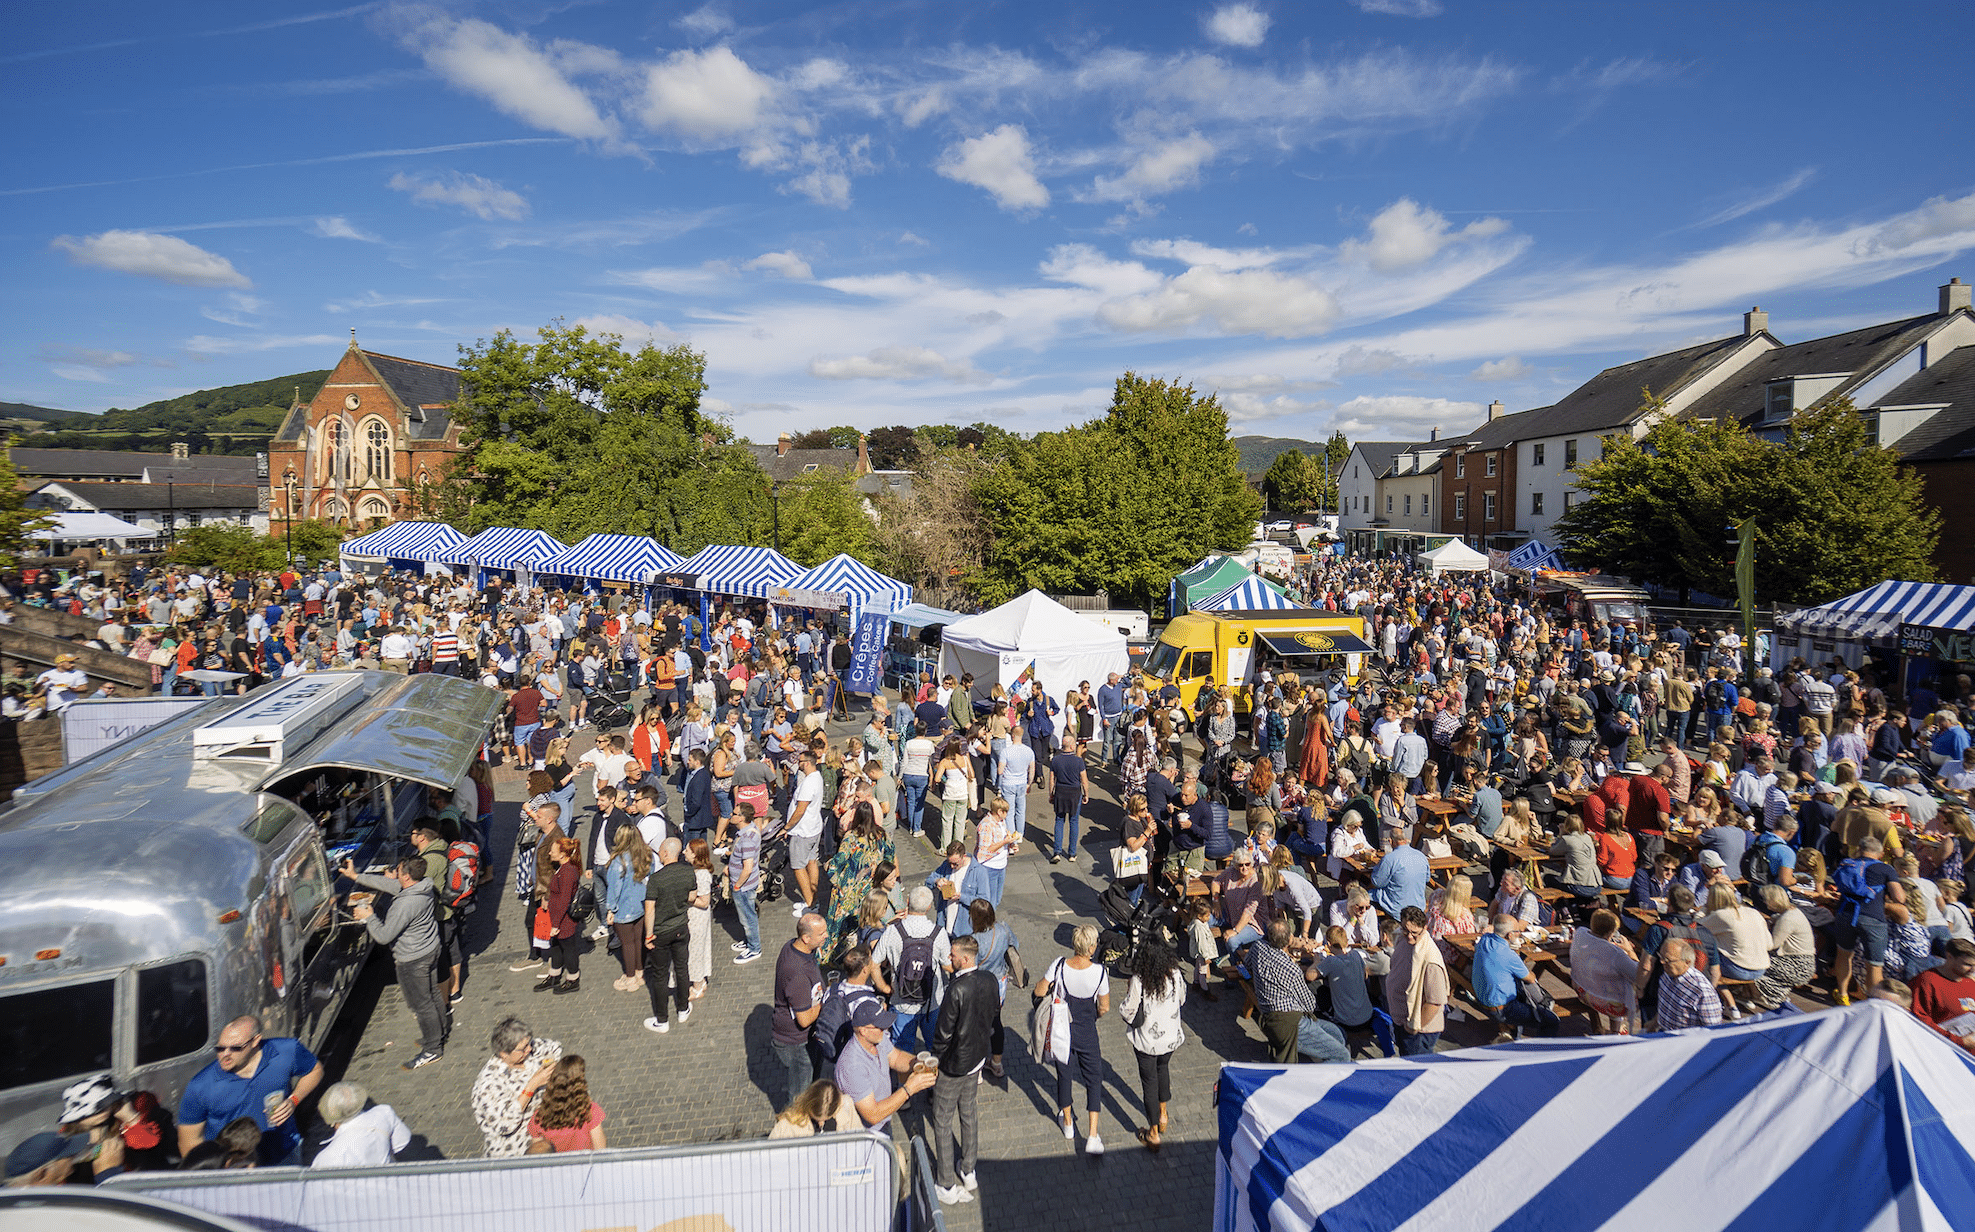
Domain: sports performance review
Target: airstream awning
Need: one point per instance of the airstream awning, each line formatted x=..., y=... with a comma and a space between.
x=427, y=728
x=1315, y=642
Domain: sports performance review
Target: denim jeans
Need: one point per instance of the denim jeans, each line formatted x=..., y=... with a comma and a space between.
x=915, y=801
x=995, y=878
x=1110, y=738
x=1415, y=1044
x=912, y=1027
x=1520, y=1013
x=798, y=1064
x=1321, y=1041
x=1016, y=792
x=1074, y=816
x=750, y=913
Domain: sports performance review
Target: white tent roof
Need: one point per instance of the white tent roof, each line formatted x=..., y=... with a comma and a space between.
x=1032, y=623
x=1454, y=556
x=93, y=526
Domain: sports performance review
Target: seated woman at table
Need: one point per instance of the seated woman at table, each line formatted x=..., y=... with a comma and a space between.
x=1741, y=938
x=1450, y=911
x=1429, y=782
x=1354, y=914
x=1346, y=841
x=1398, y=812
x=1792, y=949
x=1618, y=854
x=1517, y=829
x=1261, y=840
x=1516, y=899
x=1574, y=847
x=1714, y=771
x=1704, y=810
x=1603, y=970
x=1570, y=775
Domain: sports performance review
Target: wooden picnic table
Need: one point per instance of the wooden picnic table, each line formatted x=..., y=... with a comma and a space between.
x=1570, y=799
x=1439, y=807
x=1555, y=949
x=1521, y=852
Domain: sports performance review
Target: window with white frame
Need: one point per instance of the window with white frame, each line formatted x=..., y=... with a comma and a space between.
x=1488, y=507
x=1488, y=466
x=1570, y=453
x=1460, y=466
x=1460, y=507
x=1409, y=505
x=1536, y=502
x=1536, y=453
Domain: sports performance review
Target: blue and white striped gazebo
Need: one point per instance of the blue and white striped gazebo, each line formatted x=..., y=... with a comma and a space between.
x=509, y=547
x=864, y=587
x=751, y=572
x=1253, y=595
x=1877, y=612
x=1850, y=1118
x=410, y=542
x=635, y=559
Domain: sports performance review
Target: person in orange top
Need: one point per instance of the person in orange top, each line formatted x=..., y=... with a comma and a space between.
x=1618, y=853
x=664, y=674
x=651, y=743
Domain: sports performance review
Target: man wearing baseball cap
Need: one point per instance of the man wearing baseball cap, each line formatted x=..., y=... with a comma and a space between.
x=63, y=683
x=864, y=1071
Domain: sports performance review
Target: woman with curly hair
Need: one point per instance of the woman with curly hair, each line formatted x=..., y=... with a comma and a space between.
x=1152, y=1010
x=567, y=1118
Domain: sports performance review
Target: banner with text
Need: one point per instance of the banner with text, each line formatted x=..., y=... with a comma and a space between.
x=867, y=653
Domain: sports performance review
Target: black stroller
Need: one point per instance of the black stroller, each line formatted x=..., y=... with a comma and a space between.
x=610, y=701
x=1126, y=926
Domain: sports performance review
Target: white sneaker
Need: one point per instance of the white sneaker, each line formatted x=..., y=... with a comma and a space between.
x=953, y=1196
x=797, y=909
x=1095, y=1145
x=738, y=946
x=1070, y=1130
x=653, y=1024
x=970, y=1180
x=683, y=1015
x=599, y=933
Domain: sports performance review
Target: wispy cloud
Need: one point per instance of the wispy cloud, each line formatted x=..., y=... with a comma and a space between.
x=1761, y=199
x=477, y=195
x=371, y=300
x=1236, y=25
x=204, y=344
x=1507, y=368
x=271, y=24
x=151, y=255
x=1401, y=8
x=357, y=156
x=338, y=227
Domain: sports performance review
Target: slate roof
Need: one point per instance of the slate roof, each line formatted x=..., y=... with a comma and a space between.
x=1613, y=398
x=1859, y=352
x=202, y=468
x=420, y=385
x=86, y=462
x=794, y=464
x=1380, y=455
x=1950, y=434
x=1504, y=430
x=115, y=497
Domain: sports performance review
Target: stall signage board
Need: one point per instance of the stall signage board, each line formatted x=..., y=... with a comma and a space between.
x=677, y=581
x=1948, y=645
x=280, y=722
x=823, y=600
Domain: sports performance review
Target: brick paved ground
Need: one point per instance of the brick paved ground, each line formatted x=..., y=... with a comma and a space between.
x=710, y=1079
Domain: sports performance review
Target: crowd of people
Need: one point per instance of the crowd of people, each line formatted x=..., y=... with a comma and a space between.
x=1498, y=796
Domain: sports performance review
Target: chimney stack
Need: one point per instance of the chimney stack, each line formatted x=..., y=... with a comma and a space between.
x=1754, y=321
x=1954, y=295
x=1494, y=410
x=863, y=456
x=179, y=449
x=782, y=444
x=1434, y=435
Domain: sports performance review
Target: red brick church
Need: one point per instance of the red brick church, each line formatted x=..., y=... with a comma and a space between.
x=377, y=434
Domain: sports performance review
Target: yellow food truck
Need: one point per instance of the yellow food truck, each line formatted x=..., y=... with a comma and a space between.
x=1233, y=646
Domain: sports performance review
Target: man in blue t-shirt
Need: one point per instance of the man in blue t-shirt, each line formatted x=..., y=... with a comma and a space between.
x=250, y=1076
x=1497, y=972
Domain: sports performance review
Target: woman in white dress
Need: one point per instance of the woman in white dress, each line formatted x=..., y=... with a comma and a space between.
x=699, y=920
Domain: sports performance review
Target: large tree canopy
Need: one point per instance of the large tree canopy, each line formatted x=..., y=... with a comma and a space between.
x=1118, y=504
x=575, y=434
x=1834, y=513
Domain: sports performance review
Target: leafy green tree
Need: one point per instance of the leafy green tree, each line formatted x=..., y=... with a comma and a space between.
x=230, y=547
x=311, y=540
x=823, y=514
x=1337, y=451
x=935, y=534
x=1833, y=512
x=1122, y=503
x=1293, y=481
x=893, y=449
x=575, y=435
x=18, y=523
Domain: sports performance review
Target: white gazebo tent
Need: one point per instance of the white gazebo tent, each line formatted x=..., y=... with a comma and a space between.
x=1452, y=556
x=92, y=527
x=998, y=646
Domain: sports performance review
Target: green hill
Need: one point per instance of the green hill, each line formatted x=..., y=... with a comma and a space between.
x=233, y=419
x=1259, y=452
x=26, y=412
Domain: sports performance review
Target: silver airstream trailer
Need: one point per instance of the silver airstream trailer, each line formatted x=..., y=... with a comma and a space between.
x=155, y=890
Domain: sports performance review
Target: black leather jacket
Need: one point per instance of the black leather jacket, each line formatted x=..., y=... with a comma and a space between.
x=966, y=1022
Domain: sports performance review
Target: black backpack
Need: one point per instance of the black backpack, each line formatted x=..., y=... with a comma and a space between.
x=1715, y=694
x=832, y=1028
x=913, y=975
x=1755, y=861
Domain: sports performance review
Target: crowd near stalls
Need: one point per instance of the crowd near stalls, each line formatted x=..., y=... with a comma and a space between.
x=1477, y=811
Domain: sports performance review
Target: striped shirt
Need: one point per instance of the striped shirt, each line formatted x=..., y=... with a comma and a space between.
x=445, y=647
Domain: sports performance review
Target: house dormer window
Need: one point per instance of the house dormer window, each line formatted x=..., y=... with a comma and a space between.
x=809, y=468
x=1778, y=400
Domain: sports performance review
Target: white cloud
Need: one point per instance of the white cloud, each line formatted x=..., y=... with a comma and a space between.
x=509, y=71
x=1159, y=169
x=1404, y=416
x=1237, y=25
x=707, y=21
x=916, y=109
x=1401, y=8
x=631, y=329
x=371, y=300
x=906, y=237
x=1760, y=200
x=711, y=96
x=1366, y=361
x=1191, y=252
x=151, y=255
x=205, y=344
x=240, y=310
x=1246, y=228
x=1405, y=234
x=787, y=264
x=1938, y=218
x=1507, y=368
x=1001, y=162
x=340, y=228
x=1239, y=301
x=475, y=194
x=896, y=363
x=79, y=372
x=86, y=357
x=677, y=279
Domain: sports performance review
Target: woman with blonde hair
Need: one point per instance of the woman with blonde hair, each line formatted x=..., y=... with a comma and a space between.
x=822, y=1109
x=623, y=903
x=1080, y=989
x=567, y=1118
x=1450, y=912
x=699, y=917
x=1741, y=936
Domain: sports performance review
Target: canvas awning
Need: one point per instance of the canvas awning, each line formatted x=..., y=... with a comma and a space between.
x=1313, y=642
x=93, y=526
x=508, y=547
x=1877, y=612
x=862, y=585
x=633, y=559
x=1250, y=595
x=432, y=542
x=751, y=572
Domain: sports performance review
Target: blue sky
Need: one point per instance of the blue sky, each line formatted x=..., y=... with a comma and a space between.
x=1368, y=214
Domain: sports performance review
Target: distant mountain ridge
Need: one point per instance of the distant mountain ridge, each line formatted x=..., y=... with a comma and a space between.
x=235, y=419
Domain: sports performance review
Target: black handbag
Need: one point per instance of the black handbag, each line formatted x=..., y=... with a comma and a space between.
x=583, y=903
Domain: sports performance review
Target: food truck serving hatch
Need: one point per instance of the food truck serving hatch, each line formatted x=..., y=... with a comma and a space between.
x=1306, y=644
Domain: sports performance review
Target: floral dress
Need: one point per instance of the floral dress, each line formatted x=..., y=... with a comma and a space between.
x=850, y=872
